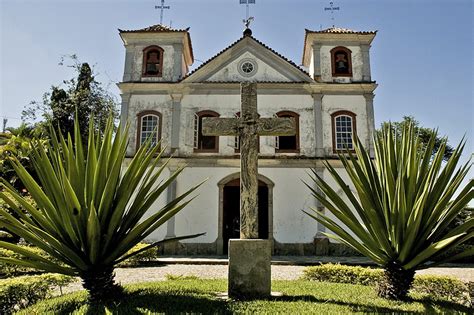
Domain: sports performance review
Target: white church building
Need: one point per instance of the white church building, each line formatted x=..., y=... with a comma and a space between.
x=330, y=96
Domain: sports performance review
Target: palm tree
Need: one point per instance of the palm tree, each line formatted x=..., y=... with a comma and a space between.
x=90, y=210
x=406, y=198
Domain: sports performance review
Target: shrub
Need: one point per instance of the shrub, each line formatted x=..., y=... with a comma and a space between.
x=434, y=287
x=343, y=274
x=11, y=270
x=17, y=293
x=147, y=255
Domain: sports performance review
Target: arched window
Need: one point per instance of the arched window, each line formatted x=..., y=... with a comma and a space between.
x=152, y=61
x=341, y=62
x=343, y=130
x=148, y=125
x=204, y=143
x=289, y=144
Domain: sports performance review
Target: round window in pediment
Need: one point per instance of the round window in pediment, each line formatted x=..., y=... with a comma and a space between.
x=247, y=67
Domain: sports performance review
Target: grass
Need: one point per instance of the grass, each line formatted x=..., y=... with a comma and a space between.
x=199, y=296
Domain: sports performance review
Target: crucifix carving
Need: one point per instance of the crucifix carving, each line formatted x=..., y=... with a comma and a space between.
x=248, y=127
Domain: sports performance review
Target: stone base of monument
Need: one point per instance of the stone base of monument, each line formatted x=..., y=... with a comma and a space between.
x=249, y=268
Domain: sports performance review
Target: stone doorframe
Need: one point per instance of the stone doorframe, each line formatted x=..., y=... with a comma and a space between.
x=221, y=184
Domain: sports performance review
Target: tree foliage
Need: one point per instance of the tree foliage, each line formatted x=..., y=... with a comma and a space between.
x=423, y=134
x=83, y=95
x=406, y=199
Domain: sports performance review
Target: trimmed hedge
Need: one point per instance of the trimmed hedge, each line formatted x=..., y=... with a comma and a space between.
x=147, y=255
x=20, y=292
x=434, y=287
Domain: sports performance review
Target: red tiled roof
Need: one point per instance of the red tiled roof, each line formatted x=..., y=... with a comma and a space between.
x=340, y=30
x=155, y=28
x=235, y=43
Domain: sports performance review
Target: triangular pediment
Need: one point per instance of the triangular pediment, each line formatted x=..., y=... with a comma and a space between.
x=248, y=60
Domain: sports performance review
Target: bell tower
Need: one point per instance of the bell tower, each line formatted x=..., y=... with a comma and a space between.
x=156, y=54
x=338, y=55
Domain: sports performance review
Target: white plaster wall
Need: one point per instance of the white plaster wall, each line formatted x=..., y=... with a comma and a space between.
x=202, y=214
x=160, y=103
x=353, y=103
x=168, y=64
x=228, y=105
x=264, y=72
x=330, y=180
x=290, y=198
x=326, y=71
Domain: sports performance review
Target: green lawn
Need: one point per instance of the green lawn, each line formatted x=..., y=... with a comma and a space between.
x=199, y=296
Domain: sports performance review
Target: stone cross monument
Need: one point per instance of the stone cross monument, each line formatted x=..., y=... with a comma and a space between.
x=249, y=257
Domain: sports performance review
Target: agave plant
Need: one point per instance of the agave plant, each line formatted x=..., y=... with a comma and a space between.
x=90, y=208
x=406, y=198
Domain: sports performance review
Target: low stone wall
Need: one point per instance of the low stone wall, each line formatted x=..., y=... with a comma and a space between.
x=319, y=247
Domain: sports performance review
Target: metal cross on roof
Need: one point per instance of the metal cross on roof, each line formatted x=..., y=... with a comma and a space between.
x=332, y=8
x=162, y=7
x=247, y=2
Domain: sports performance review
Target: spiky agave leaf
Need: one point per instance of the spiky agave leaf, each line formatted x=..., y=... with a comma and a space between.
x=405, y=200
x=90, y=209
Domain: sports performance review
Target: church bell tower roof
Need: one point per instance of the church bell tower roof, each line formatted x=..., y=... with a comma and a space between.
x=155, y=28
x=158, y=30
x=334, y=36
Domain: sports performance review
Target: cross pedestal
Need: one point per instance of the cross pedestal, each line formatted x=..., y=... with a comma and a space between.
x=249, y=257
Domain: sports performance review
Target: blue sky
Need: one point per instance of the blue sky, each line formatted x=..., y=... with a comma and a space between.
x=422, y=56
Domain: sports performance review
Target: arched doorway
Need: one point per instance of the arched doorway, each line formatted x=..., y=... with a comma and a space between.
x=229, y=210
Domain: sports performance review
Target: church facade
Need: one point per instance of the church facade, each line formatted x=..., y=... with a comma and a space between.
x=330, y=97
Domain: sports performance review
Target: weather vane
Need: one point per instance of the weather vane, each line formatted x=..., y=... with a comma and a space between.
x=162, y=7
x=248, y=19
x=332, y=8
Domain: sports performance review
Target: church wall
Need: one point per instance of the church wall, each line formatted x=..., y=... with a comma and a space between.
x=334, y=103
x=168, y=63
x=290, y=198
x=228, y=105
x=140, y=103
x=264, y=71
x=202, y=214
x=326, y=64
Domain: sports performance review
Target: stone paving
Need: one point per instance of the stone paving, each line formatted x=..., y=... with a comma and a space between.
x=283, y=268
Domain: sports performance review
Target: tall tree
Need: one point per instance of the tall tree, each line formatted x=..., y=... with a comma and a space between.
x=83, y=95
x=422, y=133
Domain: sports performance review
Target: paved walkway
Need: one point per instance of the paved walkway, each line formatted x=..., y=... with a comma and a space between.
x=283, y=268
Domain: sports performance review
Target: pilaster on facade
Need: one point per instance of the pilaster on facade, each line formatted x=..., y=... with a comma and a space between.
x=170, y=196
x=366, y=76
x=175, y=120
x=316, y=61
x=124, y=107
x=128, y=70
x=369, y=101
x=318, y=124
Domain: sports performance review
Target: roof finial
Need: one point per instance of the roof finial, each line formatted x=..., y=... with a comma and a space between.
x=248, y=19
x=248, y=31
